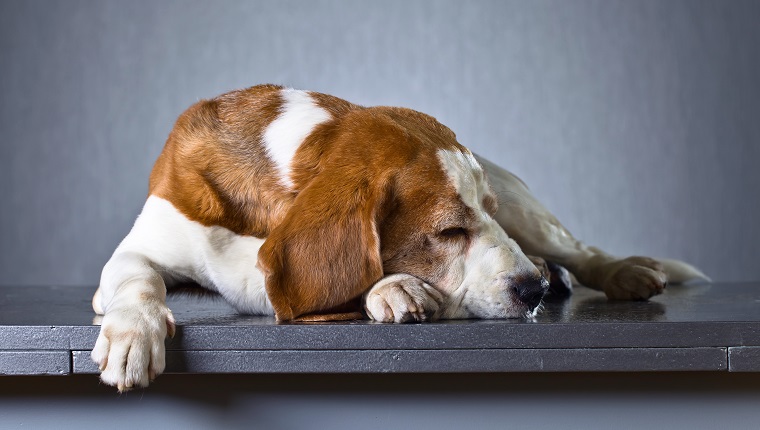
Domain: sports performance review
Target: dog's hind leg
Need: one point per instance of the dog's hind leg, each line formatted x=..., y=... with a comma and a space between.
x=539, y=233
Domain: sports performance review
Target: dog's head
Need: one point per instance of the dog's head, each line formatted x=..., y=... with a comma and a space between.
x=395, y=193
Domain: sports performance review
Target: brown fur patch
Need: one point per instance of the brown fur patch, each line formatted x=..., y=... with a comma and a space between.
x=490, y=204
x=369, y=195
x=214, y=167
x=346, y=316
x=121, y=336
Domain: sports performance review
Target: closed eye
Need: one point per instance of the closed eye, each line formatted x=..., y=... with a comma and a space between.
x=453, y=233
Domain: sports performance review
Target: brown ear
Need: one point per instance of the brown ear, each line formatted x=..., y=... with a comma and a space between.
x=325, y=253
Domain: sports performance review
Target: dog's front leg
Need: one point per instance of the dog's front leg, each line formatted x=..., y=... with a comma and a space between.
x=132, y=298
x=402, y=298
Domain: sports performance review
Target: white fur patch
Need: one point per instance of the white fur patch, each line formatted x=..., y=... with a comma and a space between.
x=179, y=248
x=299, y=116
x=466, y=175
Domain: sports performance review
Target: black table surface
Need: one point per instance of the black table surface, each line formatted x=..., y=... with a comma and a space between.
x=705, y=327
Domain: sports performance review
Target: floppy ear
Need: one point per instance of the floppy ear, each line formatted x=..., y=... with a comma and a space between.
x=326, y=252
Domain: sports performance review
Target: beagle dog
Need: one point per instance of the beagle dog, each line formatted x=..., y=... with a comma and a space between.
x=307, y=207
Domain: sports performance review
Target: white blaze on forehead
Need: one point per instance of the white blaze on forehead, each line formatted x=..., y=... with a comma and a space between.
x=466, y=175
x=480, y=286
x=298, y=118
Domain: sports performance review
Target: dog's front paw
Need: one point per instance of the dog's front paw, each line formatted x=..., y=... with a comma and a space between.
x=634, y=278
x=130, y=348
x=402, y=298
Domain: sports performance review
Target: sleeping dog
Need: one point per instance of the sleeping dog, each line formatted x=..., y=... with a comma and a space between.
x=307, y=207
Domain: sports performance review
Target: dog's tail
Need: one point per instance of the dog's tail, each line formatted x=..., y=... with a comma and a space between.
x=679, y=272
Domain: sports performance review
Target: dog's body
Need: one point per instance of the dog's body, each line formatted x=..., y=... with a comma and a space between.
x=308, y=207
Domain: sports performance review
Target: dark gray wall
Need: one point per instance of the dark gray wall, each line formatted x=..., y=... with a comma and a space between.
x=635, y=121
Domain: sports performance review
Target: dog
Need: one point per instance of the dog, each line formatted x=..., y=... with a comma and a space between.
x=307, y=207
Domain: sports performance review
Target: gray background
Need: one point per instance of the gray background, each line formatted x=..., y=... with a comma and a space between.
x=636, y=122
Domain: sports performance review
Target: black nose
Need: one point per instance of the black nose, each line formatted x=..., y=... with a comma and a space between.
x=531, y=290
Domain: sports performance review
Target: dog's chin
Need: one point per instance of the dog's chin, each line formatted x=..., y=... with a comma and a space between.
x=526, y=313
x=516, y=309
x=512, y=309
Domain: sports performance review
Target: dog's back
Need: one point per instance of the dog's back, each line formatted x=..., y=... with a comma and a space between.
x=215, y=168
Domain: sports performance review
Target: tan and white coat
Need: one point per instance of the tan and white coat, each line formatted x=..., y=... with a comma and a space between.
x=305, y=206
